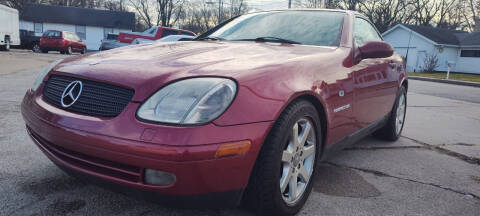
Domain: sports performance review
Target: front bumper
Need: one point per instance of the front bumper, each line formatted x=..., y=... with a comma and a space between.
x=122, y=160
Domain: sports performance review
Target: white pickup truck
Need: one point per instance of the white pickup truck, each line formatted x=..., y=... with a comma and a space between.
x=9, y=27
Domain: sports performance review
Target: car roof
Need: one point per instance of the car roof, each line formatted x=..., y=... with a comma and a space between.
x=350, y=12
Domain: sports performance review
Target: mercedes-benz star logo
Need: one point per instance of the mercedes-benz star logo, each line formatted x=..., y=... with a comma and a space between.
x=71, y=93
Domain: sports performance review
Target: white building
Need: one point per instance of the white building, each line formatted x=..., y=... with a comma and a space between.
x=91, y=25
x=459, y=48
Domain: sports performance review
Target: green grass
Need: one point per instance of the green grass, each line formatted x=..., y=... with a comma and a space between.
x=453, y=76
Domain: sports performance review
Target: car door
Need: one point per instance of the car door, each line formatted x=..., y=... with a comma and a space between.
x=374, y=85
x=49, y=39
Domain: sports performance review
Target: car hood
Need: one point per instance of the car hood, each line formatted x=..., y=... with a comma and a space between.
x=147, y=67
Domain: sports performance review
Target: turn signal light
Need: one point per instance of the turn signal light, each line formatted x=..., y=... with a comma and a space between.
x=232, y=149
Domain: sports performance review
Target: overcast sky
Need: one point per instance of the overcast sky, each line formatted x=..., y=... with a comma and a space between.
x=268, y=4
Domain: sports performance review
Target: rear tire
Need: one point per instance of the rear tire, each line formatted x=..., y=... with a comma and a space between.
x=69, y=50
x=44, y=51
x=280, y=163
x=394, y=127
x=84, y=50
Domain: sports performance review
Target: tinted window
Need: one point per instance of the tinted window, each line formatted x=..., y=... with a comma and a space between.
x=185, y=39
x=112, y=37
x=470, y=53
x=364, y=31
x=106, y=31
x=167, y=32
x=187, y=33
x=52, y=34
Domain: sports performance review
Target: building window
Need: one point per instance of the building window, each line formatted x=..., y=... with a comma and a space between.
x=38, y=27
x=81, y=32
x=470, y=53
x=107, y=31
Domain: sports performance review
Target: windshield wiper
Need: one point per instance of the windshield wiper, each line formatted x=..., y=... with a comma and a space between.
x=271, y=39
x=210, y=38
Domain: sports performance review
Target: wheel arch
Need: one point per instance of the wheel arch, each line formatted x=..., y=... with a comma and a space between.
x=319, y=106
x=405, y=84
x=321, y=114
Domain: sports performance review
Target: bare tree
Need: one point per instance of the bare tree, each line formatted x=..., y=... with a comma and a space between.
x=430, y=63
x=386, y=13
x=425, y=11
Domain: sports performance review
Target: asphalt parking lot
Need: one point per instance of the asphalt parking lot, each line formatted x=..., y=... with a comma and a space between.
x=434, y=169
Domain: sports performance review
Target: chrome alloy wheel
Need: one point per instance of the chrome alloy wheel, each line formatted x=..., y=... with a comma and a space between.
x=298, y=161
x=400, y=115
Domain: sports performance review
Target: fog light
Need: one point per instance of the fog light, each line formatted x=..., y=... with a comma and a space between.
x=157, y=177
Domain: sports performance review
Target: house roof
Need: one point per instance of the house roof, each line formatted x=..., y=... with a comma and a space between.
x=471, y=39
x=439, y=35
x=442, y=36
x=78, y=16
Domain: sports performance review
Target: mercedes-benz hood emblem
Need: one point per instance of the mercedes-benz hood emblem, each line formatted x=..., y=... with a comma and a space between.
x=71, y=93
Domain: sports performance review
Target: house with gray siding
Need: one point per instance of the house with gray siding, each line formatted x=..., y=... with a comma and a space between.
x=458, y=49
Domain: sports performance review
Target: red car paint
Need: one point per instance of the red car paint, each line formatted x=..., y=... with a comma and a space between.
x=61, y=42
x=267, y=82
x=157, y=32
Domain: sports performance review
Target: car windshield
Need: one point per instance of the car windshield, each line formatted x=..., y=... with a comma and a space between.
x=321, y=28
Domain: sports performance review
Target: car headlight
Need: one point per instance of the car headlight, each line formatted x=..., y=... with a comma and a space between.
x=42, y=74
x=190, y=101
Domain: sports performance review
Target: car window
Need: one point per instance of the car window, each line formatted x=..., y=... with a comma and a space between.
x=67, y=36
x=364, y=31
x=52, y=34
x=185, y=39
x=187, y=33
x=75, y=37
x=112, y=37
x=321, y=28
x=167, y=32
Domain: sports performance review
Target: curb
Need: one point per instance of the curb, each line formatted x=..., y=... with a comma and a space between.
x=455, y=82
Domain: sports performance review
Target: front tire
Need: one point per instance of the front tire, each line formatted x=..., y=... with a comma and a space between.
x=84, y=50
x=394, y=126
x=283, y=175
x=36, y=48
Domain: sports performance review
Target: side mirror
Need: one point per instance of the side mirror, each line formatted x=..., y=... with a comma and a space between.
x=376, y=49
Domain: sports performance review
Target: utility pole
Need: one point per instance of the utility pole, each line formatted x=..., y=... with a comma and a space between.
x=219, y=11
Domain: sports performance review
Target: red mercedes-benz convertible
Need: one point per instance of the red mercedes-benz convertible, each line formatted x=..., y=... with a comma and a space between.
x=246, y=110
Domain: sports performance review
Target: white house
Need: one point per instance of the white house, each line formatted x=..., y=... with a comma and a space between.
x=460, y=49
x=91, y=25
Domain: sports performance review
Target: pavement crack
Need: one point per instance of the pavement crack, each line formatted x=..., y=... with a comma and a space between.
x=383, y=147
x=465, y=158
x=383, y=174
x=417, y=106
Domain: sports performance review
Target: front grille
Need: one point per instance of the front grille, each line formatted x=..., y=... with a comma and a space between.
x=96, y=99
x=90, y=163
